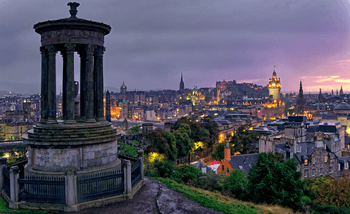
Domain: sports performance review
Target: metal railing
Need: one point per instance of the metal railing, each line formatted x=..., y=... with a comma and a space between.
x=135, y=173
x=42, y=189
x=6, y=180
x=100, y=185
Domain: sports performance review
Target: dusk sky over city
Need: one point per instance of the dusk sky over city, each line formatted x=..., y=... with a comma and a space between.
x=153, y=42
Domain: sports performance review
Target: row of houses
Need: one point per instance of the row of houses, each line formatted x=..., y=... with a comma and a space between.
x=317, y=147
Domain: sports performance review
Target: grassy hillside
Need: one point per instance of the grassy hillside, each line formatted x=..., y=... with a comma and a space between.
x=219, y=202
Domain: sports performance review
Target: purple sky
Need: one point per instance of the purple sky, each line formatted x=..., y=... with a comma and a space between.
x=152, y=42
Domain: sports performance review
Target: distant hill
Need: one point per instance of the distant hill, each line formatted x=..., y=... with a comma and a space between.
x=3, y=93
x=20, y=88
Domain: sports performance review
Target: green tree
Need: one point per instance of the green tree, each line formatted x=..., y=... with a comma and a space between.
x=244, y=141
x=162, y=142
x=206, y=131
x=274, y=181
x=184, y=143
x=209, y=124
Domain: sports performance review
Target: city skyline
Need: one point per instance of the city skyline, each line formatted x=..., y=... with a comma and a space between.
x=154, y=42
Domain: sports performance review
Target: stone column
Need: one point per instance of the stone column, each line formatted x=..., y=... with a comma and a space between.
x=141, y=157
x=98, y=77
x=3, y=163
x=82, y=83
x=71, y=189
x=44, y=88
x=14, y=186
x=89, y=85
x=51, y=76
x=127, y=177
x=68, y=83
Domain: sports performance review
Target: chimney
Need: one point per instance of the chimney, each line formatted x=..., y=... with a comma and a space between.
x=227, y=152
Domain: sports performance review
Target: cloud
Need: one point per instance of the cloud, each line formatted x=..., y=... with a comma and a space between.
x=153, y=41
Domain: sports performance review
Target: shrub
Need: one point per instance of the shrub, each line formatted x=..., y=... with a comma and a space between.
x=331, y=191
x=213, y=182
x=150, y=170
x=165, y=169
x=187, y=174
x=236, y=183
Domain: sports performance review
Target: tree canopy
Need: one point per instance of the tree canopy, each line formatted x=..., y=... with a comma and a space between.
x=244, y=141
x=274, y=181
x=182, y=141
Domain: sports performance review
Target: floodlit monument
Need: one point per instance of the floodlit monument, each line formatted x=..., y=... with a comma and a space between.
x=73, y=162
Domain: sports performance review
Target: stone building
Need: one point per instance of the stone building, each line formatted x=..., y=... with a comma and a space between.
x=315, y=160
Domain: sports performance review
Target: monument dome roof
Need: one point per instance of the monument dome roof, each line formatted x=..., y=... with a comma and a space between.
x=342, y=106
x=72, y=23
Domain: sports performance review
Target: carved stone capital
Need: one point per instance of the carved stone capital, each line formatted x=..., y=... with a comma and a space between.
x=70, y=48
x=43, y=50
x=51, y=49
x=99, y=51
x=89, y=49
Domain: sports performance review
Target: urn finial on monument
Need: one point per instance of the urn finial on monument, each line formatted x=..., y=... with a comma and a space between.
x=73, y=9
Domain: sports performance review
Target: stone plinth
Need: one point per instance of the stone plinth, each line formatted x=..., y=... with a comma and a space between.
x=80, y=147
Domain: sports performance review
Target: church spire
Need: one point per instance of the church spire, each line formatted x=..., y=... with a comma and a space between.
x=300, y=102
x=320, y=97
x=182, y=84
x=341, y=91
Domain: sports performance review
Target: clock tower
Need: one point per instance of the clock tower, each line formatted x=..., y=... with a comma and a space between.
x=274, y=87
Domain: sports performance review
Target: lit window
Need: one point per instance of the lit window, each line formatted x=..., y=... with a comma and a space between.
x=305, y=161
x=325, y=158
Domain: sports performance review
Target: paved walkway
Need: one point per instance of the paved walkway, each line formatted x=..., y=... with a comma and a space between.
x=153, y=197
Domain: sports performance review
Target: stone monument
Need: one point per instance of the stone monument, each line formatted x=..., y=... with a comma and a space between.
x=84, y=142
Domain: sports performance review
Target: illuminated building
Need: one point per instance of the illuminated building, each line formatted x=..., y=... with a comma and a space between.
x=274, y=87
x=274, y=109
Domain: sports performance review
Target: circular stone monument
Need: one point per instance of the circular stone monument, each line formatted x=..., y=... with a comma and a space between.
x=82, y=141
